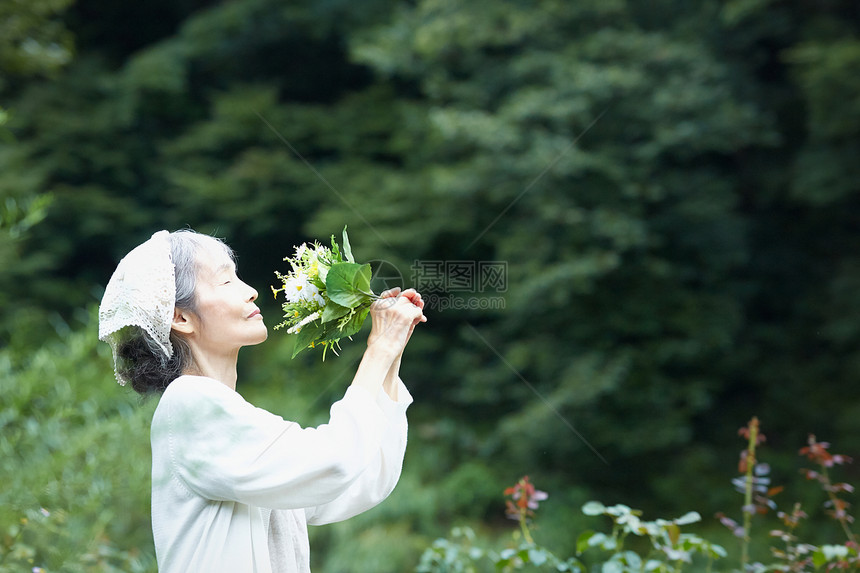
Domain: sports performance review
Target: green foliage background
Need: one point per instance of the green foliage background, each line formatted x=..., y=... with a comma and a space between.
x=672, y=184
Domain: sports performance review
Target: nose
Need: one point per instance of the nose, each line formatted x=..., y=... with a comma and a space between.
x=254, y=293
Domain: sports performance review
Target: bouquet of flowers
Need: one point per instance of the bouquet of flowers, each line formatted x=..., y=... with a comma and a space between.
x=327, y=295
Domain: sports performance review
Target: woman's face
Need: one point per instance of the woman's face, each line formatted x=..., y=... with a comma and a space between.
x=226, y=316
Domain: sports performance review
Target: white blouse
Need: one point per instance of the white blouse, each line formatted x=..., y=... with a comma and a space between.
x=234, y=486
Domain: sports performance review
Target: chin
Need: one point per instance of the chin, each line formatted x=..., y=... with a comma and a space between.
x=255, y=335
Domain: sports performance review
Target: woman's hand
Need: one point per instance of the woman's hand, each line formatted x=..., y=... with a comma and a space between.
x=394, y=317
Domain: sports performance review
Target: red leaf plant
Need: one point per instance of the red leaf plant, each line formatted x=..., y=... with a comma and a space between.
x=524, y=500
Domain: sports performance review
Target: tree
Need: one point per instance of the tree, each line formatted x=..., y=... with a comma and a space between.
x=663, y=195
x=34, y=42
x=594, y=155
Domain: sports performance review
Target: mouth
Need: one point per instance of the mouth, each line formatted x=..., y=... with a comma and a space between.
x=255, y=313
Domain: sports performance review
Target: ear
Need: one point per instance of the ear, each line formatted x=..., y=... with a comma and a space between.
x=183, y=321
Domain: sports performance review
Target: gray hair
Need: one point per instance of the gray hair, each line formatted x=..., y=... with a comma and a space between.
x=139, y=357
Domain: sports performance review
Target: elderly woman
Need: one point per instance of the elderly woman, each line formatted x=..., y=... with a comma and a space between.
x=234, y=486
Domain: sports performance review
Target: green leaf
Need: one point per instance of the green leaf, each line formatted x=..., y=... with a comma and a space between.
x=674, y=533
x=632, y=559
x=347, y=249
x=582, y=542
x=689, y=517
x=603, y=541
x=355, y=323
x=348, y=283
x=335, y=250
x=330, y=332
x=333, y=310
x=619, y=510
x=593, y=508
x=305, y=336
x=537, y=556
x=827, y=553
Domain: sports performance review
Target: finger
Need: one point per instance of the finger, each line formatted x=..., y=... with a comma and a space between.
x=417, y=313
x=414, y=297
x=383, y=302
x=407, y=309
x=419, y=302
x=411, y=294
x=392, y=292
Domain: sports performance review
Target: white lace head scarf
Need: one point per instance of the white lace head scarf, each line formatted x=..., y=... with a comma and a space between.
x=142, y=293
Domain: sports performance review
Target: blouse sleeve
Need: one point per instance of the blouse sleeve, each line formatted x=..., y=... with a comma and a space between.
x=381, y=475
x=223, y=448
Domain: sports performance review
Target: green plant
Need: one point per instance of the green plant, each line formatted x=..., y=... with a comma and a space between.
x=669, y=549
x=25, y=546
x=75, y=468
x=634, y=545
x=754, y=485
x=793, y=554
x=461, y=555
x=327, y=295
x=818, y=452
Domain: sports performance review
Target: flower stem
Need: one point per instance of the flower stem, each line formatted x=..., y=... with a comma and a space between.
x=525, y=528
x=748, y=491
x=835, y=501
x=369, y=294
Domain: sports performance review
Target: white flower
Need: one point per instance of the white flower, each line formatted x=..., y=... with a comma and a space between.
x=300, y=250
x=319, y=300
x=311, y=293
x=296, y=287
x=310, y=318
